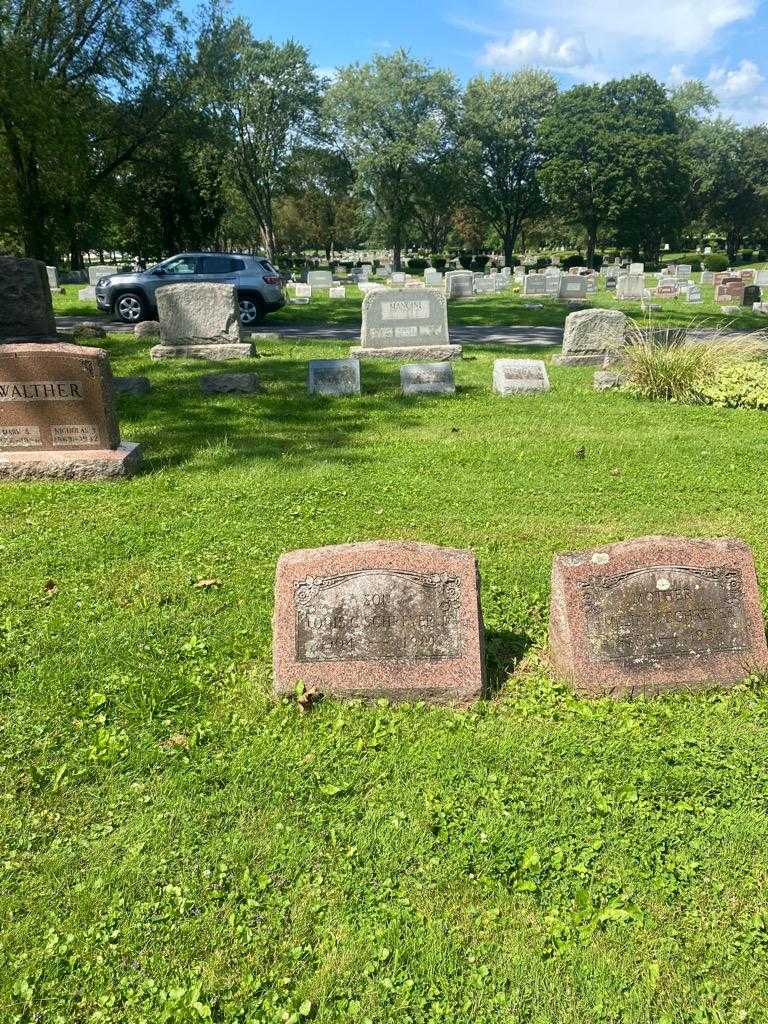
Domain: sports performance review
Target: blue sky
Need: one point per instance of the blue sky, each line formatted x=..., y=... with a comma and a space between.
x=723, y=42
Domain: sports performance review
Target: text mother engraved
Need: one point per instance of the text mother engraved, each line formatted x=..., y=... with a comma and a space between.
x=378, y=615
x=659, y=613
x=40, y=390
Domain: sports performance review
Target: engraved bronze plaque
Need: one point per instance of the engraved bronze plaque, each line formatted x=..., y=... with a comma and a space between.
x=665, y=612
x=378, y=615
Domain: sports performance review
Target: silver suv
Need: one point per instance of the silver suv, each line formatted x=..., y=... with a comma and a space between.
x=131, y=297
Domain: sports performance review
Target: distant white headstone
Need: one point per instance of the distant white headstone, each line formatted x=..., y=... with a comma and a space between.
x=519, y=376
x=320, y=279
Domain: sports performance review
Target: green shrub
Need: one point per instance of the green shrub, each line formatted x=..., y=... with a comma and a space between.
x=716, y=261
x=479, y=263
x=438, y=262
x=741, y=386
x=665, y=365
x=417, y=264
x=577, y=260
x=465, y=261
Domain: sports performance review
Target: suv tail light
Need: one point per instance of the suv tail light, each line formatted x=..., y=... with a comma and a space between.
x=272, y=280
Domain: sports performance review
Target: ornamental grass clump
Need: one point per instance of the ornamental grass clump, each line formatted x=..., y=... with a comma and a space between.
x=674, y=366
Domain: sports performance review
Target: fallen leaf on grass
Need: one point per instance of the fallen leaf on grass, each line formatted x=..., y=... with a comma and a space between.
x=307, y=698
x=206, y=584
x=177, y=740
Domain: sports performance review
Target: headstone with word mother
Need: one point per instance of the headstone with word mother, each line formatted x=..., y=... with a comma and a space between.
x=381, y=619
x=57, y=418
x=409, y=324
x=655, y=614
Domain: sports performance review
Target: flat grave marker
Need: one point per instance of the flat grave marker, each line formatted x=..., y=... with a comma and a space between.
x=519, y=376
x=427, y=379
x=333, y=377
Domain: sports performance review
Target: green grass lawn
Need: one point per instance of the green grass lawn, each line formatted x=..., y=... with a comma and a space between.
x=507, y=308
x=178, y=847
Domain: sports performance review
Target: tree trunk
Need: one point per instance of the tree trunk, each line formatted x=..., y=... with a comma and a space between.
x=28, y=196
x=397, y=249
x=75, y=252
x=591, y=245
x=509, y=243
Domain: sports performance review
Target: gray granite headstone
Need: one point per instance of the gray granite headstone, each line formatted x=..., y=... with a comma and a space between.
x=573, y=286
x=535, y=284
x=26, y=311
x=95, y=273
x=519, y=376
x=320, y=279
x=404, y=317
x=459, y=284
x=427, y=379
x=333, y=377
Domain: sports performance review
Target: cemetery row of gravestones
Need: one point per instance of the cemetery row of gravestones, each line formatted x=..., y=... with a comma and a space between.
x=733, y=289
x=402, y=620
x=455, y=284
x=56, y=407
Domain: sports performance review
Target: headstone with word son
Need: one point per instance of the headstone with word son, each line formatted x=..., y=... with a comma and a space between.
x=381, y=619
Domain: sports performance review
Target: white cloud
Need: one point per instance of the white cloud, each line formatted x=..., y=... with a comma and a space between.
x=677, y=75
x=743, y=80
x=651, y=27
x=532, y=47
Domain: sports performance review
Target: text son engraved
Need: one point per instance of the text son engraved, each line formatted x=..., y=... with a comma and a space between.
x=378, y=615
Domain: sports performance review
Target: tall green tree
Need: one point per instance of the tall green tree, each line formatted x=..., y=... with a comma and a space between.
x=499, y=132
x=730, y=178
x=269, y=96
x=319, y=185
x=614, y=164
x=578, y=149
x=435, y=197
x=70, y=72
x=649, y=175
x=391, y=118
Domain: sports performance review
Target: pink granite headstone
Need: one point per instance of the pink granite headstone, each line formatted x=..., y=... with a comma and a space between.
x=656, y=614
x=390, y=619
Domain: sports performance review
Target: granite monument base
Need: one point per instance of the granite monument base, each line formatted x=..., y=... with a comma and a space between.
x=409, y=353
x=214, y=353
x=104, y=464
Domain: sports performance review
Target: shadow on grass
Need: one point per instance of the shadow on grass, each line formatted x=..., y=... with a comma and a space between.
x=175, y=422
x=504, y=650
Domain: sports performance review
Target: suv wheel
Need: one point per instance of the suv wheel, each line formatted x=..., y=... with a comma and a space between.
x=129, y=307
x=251, y=310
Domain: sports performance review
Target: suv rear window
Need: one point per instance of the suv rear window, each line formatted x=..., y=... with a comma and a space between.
x=220, y=265
x=266, y=265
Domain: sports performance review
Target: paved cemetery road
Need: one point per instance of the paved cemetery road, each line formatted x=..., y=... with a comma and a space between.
x=536, y=337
